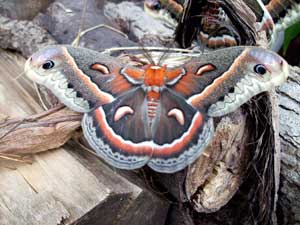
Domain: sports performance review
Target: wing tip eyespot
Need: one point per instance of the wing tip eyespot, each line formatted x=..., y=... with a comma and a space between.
x=260, y=69
x=49, y=64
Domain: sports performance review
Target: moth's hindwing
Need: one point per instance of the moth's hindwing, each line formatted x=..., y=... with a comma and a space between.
x=182, y=133
x=127, y=134
x=115, y=139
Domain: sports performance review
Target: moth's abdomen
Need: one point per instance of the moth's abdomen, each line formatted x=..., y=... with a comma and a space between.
x=152, y=106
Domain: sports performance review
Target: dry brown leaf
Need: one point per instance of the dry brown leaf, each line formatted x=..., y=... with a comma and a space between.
x=41, y=132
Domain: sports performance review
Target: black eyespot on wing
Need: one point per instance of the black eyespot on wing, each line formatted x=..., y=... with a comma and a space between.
x=231, y=90
x=260, y=69
x=48, y=65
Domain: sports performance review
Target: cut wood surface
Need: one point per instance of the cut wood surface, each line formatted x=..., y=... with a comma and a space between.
x=66, y=185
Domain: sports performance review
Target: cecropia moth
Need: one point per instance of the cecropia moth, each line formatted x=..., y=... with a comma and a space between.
x=153, y=114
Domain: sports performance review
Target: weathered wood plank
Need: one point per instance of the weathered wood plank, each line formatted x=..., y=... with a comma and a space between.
x=14, y=99
x=30, y=206
x=145, y=207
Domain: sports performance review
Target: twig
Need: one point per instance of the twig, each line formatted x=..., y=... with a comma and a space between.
x=77, y=39
x=91, y=151
x=37, y=90
x=51, y=121
x=11, y=129
x=34, y=117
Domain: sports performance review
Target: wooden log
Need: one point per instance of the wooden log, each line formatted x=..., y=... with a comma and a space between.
x=139, y=23
x=239, y=166
x=289, y=108
x=66, y=185
x=216, y=176
x=68, y=19
x=23, y=36
x=22, y=10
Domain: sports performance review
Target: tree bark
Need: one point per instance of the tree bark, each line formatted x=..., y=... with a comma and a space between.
x=289, y=108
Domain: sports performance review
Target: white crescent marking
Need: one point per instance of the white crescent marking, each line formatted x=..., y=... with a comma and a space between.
x=178, y=114
x=122, y=111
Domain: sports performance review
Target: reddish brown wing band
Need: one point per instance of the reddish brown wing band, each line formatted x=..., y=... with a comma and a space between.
x=155, y=116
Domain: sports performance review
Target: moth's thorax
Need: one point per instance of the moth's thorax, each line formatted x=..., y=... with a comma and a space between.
x=155, y=76
x=154, y=80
